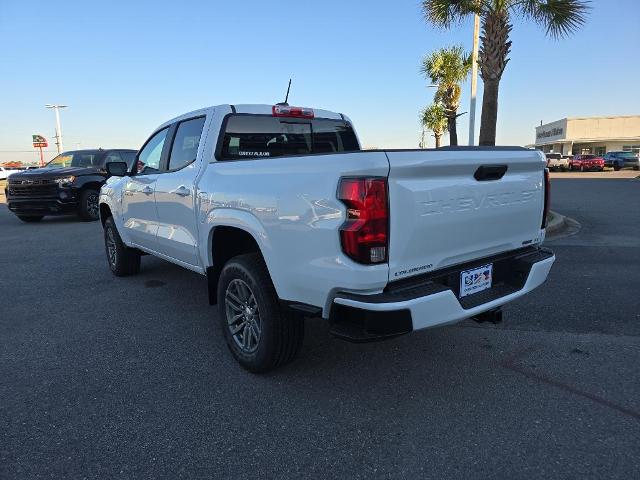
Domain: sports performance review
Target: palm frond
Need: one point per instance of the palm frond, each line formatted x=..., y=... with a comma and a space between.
x=446, y=13
x=447, y=66
x=433, y=118
x=560, y=17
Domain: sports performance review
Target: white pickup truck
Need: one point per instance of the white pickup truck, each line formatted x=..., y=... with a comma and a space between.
x=287, y=218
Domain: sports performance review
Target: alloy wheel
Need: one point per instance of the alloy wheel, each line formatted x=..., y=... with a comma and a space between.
x=92, y=205
x=243, y=316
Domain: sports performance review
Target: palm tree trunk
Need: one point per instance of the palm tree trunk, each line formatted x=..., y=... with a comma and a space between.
x=489, y=113
x=437, y=140
x=493, y=58
x=453, y=130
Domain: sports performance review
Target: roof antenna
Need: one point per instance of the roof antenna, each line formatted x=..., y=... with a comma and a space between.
x=286, y=98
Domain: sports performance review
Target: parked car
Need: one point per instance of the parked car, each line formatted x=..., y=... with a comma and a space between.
x=586, y=162
x=618, y=160
x=286, y=217
x=555, y=161
x=68, y=184
x=6, y=171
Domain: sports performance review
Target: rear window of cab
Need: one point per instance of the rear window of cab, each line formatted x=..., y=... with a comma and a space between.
x=248, y=137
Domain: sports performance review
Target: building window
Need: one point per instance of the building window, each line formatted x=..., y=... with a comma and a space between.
x=631, y=148
x=601, y=150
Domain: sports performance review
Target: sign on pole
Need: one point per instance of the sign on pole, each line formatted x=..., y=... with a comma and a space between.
x=40, y=142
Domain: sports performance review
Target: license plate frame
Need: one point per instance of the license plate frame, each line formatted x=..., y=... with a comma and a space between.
x=475, y=280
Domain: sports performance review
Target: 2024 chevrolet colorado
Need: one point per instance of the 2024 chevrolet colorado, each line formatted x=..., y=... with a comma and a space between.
x=287, y=218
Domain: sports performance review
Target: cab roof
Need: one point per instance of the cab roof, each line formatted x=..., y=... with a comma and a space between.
x=256, y=109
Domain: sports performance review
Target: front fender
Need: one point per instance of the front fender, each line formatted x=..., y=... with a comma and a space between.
x=111, y=196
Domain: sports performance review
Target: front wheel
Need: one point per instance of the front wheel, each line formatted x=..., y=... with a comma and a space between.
x=30, y=218
x=89, y=208
x=260, y=335
x=616, y=167
x=122, y=260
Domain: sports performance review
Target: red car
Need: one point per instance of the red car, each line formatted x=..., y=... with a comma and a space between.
x=586, y=162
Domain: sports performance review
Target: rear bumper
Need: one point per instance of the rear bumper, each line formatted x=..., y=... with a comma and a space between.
x=41, y=206
x=432, y=300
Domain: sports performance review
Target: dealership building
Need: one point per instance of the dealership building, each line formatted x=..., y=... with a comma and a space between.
x=598, y=135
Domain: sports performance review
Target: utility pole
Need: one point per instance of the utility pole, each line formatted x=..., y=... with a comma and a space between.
x=474, y=79
x=58, y=128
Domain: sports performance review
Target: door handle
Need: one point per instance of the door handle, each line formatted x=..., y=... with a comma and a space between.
x=147, y=190
x=182, y=191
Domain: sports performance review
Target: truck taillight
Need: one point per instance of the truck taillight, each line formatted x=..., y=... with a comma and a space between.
x=365, y=233
x=547, y=197
x=287, y=111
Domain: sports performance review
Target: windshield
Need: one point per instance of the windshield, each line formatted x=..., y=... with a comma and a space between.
x=76, y=159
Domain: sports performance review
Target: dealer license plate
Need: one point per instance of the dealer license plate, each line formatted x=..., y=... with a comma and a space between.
x=476, y=280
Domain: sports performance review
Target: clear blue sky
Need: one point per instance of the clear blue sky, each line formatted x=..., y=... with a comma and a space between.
x=126, y=66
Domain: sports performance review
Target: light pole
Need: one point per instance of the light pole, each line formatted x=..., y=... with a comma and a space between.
x=58, y=129
x=474, y=79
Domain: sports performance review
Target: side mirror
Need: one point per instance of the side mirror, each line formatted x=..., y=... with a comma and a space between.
x=117, y=169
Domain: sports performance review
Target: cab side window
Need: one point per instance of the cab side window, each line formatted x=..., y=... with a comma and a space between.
x=151, y=154
x=185, y=143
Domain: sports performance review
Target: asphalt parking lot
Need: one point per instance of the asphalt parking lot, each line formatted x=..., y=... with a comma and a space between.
x=130, y=378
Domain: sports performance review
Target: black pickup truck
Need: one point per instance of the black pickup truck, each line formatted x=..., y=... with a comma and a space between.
x=68, y=184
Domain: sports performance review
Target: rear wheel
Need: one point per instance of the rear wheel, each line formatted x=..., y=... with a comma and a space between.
x=89, y=208
x=30, y=218
x=122, y=260
x=616, y=167
x=261, y=335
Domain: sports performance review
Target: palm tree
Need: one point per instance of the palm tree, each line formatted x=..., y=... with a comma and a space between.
x=447, y=68
x=433, y=118
x=558, y=17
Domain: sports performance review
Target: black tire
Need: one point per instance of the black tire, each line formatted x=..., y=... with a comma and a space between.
x=122, y=260
x=616, y=167
x=89, y=207
x=636, y=168
x=279, y=332
x=30, y=218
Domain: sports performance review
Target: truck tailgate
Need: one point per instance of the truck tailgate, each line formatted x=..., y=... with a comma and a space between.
x=449, y=206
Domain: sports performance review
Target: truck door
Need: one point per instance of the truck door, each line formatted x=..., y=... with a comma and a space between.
x=140, y=217
x=175, y=194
